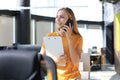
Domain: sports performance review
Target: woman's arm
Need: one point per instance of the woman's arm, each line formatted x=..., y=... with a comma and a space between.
x=75, y=52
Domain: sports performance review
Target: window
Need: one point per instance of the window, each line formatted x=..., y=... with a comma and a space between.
x=83, y=9
x=92, y=36
x=9, y=4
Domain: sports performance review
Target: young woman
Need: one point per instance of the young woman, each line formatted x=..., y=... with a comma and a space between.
x=72, y=44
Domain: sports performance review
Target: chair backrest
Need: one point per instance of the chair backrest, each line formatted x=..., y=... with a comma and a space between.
x=28, y=47
x=19, y=65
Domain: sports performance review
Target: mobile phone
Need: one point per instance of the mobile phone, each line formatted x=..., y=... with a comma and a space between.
x=69, y=21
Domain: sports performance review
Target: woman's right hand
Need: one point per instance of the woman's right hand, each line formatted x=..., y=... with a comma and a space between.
x=62, y=59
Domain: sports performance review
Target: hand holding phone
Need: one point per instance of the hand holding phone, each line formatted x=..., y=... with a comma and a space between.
x=69, y=21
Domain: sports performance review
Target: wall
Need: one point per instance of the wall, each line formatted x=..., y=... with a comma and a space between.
x=42, y=28
x=6, y=31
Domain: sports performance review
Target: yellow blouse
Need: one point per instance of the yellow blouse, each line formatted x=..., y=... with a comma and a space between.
x=70, y=71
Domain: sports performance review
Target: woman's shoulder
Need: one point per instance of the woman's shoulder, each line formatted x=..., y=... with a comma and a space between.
x=53, y=34
x=77, y=37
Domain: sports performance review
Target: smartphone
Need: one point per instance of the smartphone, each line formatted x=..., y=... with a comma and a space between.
x=69, y=21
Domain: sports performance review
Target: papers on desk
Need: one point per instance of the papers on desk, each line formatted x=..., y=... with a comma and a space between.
x=54, y=46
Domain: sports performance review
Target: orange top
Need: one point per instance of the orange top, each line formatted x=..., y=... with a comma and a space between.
x=70, y=71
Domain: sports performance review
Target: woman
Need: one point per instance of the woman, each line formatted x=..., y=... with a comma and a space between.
x=72, y=44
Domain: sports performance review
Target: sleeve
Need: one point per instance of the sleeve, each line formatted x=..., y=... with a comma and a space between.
x=79, y=44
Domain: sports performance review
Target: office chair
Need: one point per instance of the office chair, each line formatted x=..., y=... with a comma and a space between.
x=19, y=65
x=23, y=65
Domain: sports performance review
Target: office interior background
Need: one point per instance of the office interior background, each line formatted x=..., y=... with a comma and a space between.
x=28, y=21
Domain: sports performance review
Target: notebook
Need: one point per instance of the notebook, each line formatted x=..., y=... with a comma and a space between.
x=54, y=46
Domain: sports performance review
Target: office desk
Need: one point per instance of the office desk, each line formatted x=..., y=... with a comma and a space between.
x=95, y=60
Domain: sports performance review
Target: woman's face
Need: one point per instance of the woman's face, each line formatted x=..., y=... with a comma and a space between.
x=61, y=19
